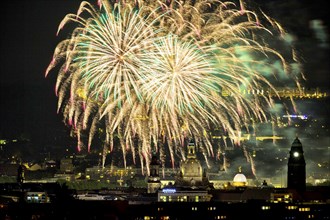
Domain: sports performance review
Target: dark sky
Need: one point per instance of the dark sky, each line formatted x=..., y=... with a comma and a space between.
x=28, y=39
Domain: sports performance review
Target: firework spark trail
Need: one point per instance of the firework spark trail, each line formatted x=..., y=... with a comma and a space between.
x=246, y=154
x=102, y=63
x=253, y=168
x=249, y=159
x=225, y=163
x=157, y=70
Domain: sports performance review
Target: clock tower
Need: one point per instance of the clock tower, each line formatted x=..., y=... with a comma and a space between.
x=296, y=167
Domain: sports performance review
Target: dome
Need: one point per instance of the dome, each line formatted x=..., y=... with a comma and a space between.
x=239, y=180
x=191, y=168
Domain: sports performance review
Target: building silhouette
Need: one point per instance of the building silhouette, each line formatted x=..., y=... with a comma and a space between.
x=154, y=178
x=296, y=167
x=20, y=174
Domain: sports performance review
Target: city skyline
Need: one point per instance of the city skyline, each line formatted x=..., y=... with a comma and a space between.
x=31, y=97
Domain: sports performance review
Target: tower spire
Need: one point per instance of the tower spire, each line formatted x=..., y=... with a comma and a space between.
x=296, y=167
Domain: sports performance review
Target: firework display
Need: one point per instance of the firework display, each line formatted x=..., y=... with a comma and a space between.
x=151, y=74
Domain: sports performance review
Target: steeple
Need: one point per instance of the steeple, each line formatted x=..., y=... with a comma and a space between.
x=154, y=179
x=296, y=167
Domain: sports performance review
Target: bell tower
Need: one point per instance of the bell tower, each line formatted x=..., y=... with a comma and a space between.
x=296, y=167
x=154, y=180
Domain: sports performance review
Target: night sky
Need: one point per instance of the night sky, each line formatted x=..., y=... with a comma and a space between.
x=28, y=102
x=28, y=39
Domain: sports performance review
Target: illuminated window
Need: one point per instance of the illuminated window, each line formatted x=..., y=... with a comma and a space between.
x=149, y=217
x=291, y=207
x=265, y=207
x=194, y=208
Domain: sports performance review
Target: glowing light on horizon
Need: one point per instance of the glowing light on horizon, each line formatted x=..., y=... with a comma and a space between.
x=303, y=117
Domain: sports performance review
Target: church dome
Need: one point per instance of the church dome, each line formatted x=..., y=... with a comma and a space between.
x=239, y=180
x=191, y=171
x=191, y=168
